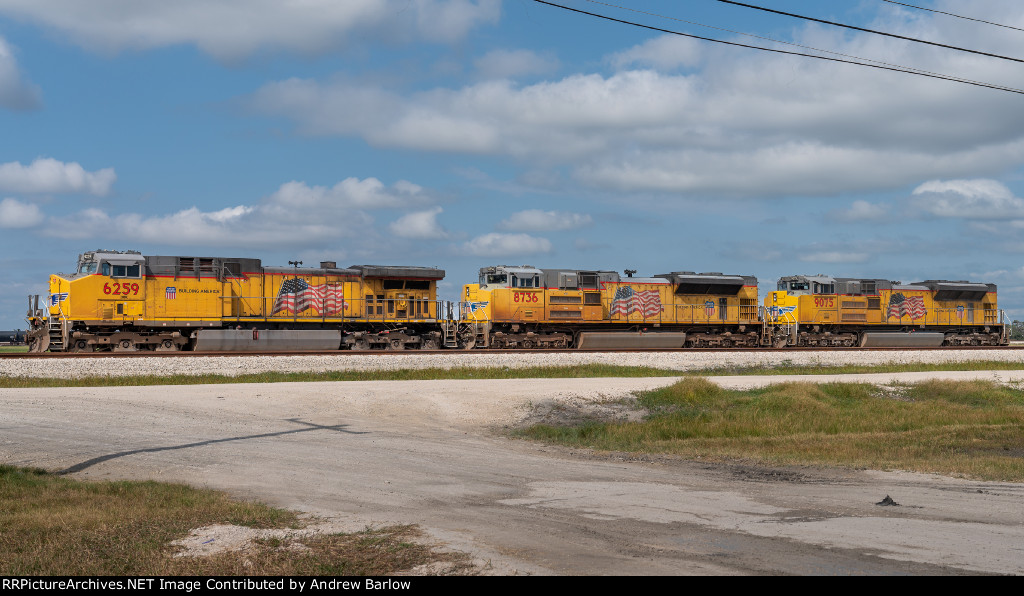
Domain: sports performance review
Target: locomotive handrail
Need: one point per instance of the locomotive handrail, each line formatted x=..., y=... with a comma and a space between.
x=430, y=309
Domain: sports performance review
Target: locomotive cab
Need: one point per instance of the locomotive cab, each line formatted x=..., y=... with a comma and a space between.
x=110, y=285
x=783, y=305
x=116, y=280
x=106, y=287
x=478, y=298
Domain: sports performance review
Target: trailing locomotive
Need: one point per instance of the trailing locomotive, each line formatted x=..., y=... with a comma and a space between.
x=124, y=301
x=526, y=307
x=843, y=311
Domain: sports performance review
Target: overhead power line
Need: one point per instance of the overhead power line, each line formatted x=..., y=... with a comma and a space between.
x=876, y=32
x=788, y=43
x=778, y=51
x=953, y=15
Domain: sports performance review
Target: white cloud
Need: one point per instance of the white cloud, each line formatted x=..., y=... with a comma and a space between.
x=296, y=215
x=419, y=225
x=88, y=223
x=742, y=123
x=46, y=175
x=15, y=92
x=15, y=214
x=861, y=211
x=666, y=52
x=509, y=64
x=968, y=199
x=501, y=245
x=231, y=29
x=535, y=220
x=834, y=257
x=369, y=193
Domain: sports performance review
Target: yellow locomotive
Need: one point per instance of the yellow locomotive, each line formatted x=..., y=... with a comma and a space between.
x=124, y=301
x=527, y=307
x=841, y=311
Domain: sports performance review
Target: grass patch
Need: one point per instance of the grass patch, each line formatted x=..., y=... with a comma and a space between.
x=57, y=526
x=13, y=349
x=788, y=368
x=960, y=428
x=470, y=372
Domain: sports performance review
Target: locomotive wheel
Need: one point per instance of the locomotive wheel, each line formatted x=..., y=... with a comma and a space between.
x=361, y=345
x=81, y=346
x=125, y=345
x=429, y=344
x=395, y=344
x=167, y=345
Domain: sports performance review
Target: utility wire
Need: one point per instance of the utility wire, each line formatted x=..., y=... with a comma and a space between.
x=953, y=15
x=778, y=51
x=653, y=14
x=931, y=43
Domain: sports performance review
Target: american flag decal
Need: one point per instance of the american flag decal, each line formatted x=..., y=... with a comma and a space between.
x=627, y=300
x=296, y=296
x=901, y=306
x=170, y=293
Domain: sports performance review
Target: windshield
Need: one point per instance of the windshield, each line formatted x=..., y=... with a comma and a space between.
x=87, y=268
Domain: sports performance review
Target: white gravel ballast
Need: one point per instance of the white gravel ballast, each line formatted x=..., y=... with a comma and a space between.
x=678, y=361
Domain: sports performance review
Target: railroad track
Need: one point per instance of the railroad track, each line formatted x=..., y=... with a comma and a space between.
x=358, y=353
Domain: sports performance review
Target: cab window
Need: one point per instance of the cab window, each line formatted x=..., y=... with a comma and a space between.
x=496, y=279
x=799, y=285
x=87, y=268
x=120, y=270
x=126, y=270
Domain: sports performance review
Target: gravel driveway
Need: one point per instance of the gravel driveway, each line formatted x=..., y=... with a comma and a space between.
x=427, y=452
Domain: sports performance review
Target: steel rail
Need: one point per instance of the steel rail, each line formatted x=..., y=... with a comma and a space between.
x=357, y=353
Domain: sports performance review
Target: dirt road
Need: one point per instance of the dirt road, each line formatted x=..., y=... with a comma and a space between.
x=428, y=452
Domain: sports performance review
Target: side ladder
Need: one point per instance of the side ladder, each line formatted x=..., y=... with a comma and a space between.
x=450, y=331
x=56, y=331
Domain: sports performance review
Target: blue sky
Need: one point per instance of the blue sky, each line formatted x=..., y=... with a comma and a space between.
x=467, y=133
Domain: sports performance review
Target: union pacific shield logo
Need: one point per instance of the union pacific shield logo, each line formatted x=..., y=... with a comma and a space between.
x=709, y=308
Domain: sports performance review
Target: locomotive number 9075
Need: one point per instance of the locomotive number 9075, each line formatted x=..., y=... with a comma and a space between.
x=825, y=302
